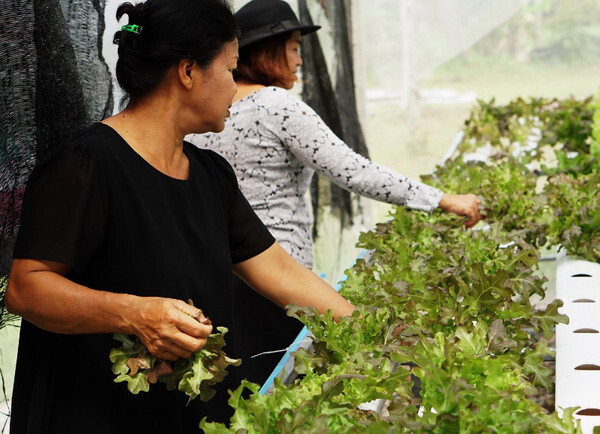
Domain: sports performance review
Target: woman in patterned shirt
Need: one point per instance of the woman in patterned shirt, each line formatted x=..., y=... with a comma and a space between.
x=275, y=143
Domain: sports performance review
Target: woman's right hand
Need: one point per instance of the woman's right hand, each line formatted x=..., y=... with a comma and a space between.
x=466, y=205
x=169, y=328
x=38, y=291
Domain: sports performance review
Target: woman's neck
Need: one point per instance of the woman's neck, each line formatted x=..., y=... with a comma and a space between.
x=245, y=88
x=153, y=139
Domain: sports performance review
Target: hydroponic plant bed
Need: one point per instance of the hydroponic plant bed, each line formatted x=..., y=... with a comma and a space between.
x=452, y=307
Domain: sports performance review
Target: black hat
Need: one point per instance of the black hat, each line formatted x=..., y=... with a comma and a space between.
x=261, y=19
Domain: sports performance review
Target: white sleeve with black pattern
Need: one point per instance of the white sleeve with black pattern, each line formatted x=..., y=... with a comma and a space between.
x=305, y=134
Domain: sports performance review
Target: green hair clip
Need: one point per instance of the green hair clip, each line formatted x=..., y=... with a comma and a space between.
x=133, y=28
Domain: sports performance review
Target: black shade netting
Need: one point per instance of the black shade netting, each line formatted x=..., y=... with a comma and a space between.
x=337, y=107
x=54, y=82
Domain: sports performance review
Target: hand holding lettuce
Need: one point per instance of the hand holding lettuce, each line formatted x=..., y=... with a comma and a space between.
x=135, y=365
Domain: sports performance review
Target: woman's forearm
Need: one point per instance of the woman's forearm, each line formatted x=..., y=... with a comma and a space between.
x=39, y=292
x=277, y=276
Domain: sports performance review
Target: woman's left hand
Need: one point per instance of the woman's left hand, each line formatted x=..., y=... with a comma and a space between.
x=464, y=205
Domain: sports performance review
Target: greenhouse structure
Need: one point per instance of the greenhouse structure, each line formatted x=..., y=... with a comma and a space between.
x=494, y=328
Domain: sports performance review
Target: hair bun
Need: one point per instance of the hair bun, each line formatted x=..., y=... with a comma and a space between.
x=125, y=9
x=134, y=13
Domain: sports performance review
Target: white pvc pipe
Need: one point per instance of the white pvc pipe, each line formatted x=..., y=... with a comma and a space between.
x=578, y=343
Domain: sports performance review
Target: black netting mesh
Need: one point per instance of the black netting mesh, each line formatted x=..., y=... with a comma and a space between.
x=54, y=81
x=337, y=107
x=17, y=129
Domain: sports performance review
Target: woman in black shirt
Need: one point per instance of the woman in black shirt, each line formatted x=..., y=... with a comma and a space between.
x=128, y=221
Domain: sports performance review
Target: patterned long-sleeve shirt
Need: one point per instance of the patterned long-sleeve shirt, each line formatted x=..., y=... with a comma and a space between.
x=275, y=143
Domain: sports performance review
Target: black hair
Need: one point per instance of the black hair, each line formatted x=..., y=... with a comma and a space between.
x=170, y=31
